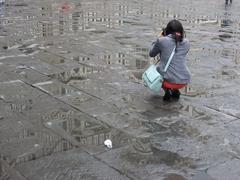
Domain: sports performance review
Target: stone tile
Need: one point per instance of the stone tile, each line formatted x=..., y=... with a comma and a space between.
x=69, y=165
x=202, y=175
x=31, y=63
x=226, y=170
x=86, y=132
x=70, y=76
x=227, y=104
x=141, y=164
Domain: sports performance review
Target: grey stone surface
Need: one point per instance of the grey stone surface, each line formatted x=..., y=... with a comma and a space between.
x=226, y=170
x=202, y=176
x=139, y=162
x=69, y=165
x=70, y=78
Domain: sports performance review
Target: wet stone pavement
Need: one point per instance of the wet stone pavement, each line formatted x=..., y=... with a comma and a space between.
x=70, y=78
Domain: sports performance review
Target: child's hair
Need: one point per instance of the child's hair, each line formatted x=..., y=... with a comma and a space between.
x=175, y=28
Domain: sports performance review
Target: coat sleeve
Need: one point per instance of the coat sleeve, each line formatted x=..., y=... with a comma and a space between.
x=155, y=49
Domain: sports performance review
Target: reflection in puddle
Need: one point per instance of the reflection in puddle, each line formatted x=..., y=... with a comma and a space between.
x=88, y=133
x=92, y=21
x=229, y=74
x=32, y=145
x=118, y=58
x=181, y=128
x=50, y=58
x=226, y=21
x=192, y=111
x=86, y=84
x=46, y=9
x=228, y=53
x=72, y=129
x=156, y=156
x=171, y=127
x=29, y=48
x=83, y=130
x=189, y=15
x=81, y=17
x=81, y=59
x=55, y=89
x=21, y=104
x=126, y=60
x=52, y=144
x=223, y=37
x=18, y=98
x=46, y=29
x=85, y=16
x=79, y=73
x=174, y=177
x=189, y=91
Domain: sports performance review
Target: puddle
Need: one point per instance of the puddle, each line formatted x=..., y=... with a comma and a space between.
x=21, y=104
x=232, y=53
x=18, y=96
x=117, y=58
x=149, y=154
x=81, y=59
x=25, y=142
x=190, y=91
x=174, y=125
x=90, y=44
x=192, y=111
x=50, y=58
x=54, y=88
x=29, y=48
x=16, y=4
x=125, y=60
x=83, y=131
x=174, y=177
x=79, y=73
x=66, y=129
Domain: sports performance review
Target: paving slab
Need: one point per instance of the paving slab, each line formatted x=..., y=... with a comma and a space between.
x=21, y=72
x=227, y=104
x=87, y=132
x=69, y=165
x=225, y=170
x=70, y=78
x=30, y=62
x=139, y=165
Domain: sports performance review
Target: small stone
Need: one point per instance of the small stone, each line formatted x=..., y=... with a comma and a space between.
x=49, y=123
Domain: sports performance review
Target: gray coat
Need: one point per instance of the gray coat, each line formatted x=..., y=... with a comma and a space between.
x=177, y=71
